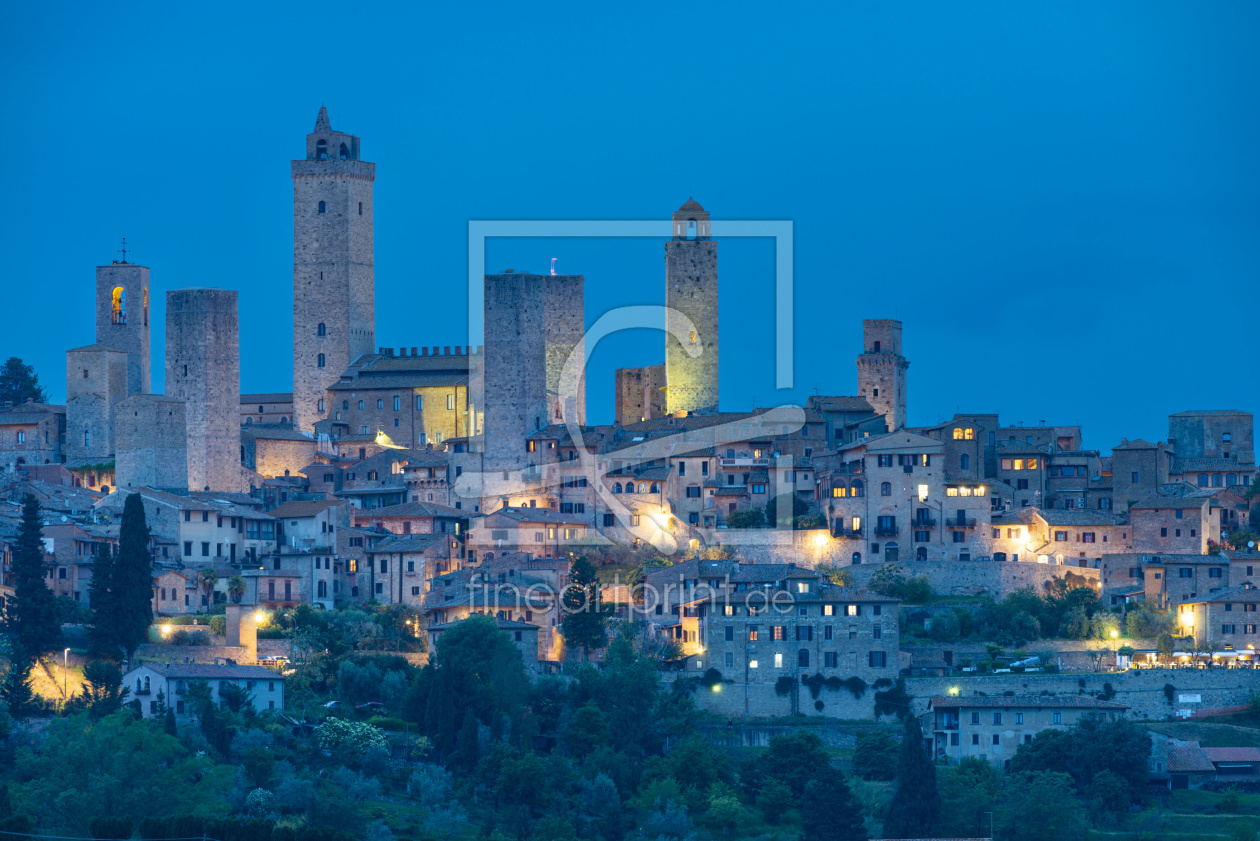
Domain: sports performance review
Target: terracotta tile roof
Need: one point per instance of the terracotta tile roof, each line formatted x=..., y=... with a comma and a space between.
x=410, y=509
x=303, y=508
x=205, y=671
x=1187, y=757
x=1078, y=517
x=411, y=542
x=1241, y=593
x=1233, y=754
x=1160, y=502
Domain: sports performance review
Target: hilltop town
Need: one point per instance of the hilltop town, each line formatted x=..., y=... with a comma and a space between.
x=828, y=562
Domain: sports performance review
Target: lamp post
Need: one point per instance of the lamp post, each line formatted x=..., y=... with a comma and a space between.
x=65, y=676
x=1114, y=648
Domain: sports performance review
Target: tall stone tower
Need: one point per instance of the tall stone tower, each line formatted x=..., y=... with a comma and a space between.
x=564, y=314
x=691, y=288
x=96, y=379
x=334, y=299
x=203, y=369
x=640, y=394
x=122, y=318
x=882, y=370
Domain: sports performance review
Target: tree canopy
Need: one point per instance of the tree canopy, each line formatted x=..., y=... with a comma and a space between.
x=31, y=612
x=19, y=383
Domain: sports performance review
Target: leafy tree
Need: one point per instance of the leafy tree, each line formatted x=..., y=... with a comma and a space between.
x=888, y=581
x=1165, y=644
x=752, y=519
x=1142, y=622
x=774, y=801
x=794, y=759
x=1075, y=624
x=945, y=626
x=19, y=383
x=236, y=698
x=119, y=767
x=111, y=828
x=131, y=590
x=1108, y=794
x=477, y=669
x=1092, y=745
x=1039, y=806
x=829, y=811
x=31, y=612
x=349, y=740
x=917, y=590
x=236, y=588
x=792, y=503
x=1025, y=627
x=584, y=613
x=588, y=730
x=725, y=810
x=916, y=804
x=103, y=693
x=968, y=790
x=874, y=757
x=838, y=576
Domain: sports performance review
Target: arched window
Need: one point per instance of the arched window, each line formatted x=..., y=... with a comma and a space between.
x=380, y=404
x=118, y=305
x=321, y=330
x=345, y=404
x=920, y=554
x=1203, y=480
x=877, y=347
x=965, y=462
x=1231, y=479
x=643, y=487
x=360, y=405
x=656, y=488
x=261, y=410
x=969, y=434
x=284, y=419
x=343, y=153
x=1216, y=480
x=321, y=360
x=802, y=658
x=691, y=229
x=858, y=488
x=885, y=489
x=857, y=557
x=616, y=487
x=248, y=421
x=321, y=151
x=957, y=433
x=322, y=207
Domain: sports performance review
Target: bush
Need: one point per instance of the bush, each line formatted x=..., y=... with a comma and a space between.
x=753, y=519
x=396, y=725
x=917, y=589
x=945, y=626
x=218, y=625
x=875, y=755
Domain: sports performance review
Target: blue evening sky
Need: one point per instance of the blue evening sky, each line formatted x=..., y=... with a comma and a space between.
x=1061, y=201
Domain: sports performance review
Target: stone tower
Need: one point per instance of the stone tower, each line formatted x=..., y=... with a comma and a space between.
x=640, y=394
x=203, y=369
x=334, y=309
x=96, y=379
x=882, y=371
x=691, y=288
x=152, y=443
x=122, y=318
x=564, y=324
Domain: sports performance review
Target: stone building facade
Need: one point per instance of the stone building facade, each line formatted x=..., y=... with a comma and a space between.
x=151, y=434
x=640, y=394
x=31, y=434
x=203, y=369
x=96, y=379
x=882, y=370
x=691, y=288
x=122, y=319
x=334, y=298
x=269, y=407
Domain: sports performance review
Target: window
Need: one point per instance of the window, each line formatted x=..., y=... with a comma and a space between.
x=975, y=718
x=322, y=207
x=997, y=740
x=885, y=489
x=752, y=633
x=877, y=659
x=802, y=658
x=975, y=738
x=965, y=462
x=321, y=330
x=397, y=403
x=450, y=402
x=1058, y=718
x=360, y=208
x=997, y=718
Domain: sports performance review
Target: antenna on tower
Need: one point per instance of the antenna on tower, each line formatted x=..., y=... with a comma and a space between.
x=123, y=250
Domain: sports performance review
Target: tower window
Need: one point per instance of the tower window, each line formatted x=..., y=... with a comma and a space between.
x=185, y=370
x=321, y=360
x=876, y=344
x=118, y=305
x=321, y=407
x=360, y=208
x=87, y=438
x=343, y=153
x=85, y=373
x=321, y=152
x=321, y=330
x=322, y=207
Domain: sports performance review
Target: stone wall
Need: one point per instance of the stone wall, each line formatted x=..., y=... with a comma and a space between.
x=129, y=332
x=564, y=323
x=151, y=437
x=515, y=398
x=96, y=379
x=882, y=372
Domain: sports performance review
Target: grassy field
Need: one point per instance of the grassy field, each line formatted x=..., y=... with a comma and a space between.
x=48, y=679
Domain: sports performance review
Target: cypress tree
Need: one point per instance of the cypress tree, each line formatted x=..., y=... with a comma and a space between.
x=31, y=613
x=131, y=593
x=829, y=810
x=915, y=809
x=583, y=622
x=104, y=612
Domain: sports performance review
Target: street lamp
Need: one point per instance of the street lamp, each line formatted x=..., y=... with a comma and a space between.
x=1115, y=651
x=65, y=675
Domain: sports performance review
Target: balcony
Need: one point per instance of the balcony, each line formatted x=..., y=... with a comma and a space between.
x=745, y=461
x=889, y=530
x=924, y=522
x=961, y=523
x=844, y=531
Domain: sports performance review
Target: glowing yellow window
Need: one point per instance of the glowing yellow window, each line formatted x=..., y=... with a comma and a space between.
x=1018, y=465
x=951, y=492
x=969, y=434
x=958, y=434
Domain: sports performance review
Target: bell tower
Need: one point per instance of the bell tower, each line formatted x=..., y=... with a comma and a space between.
x=334, y=298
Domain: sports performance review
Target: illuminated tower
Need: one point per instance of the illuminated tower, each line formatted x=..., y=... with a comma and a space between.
x=334, y=309
x=691, y=288
x=122, y=319
x=882, y=371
